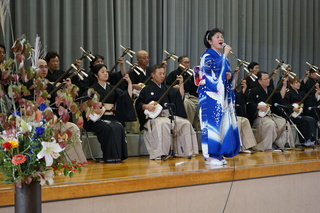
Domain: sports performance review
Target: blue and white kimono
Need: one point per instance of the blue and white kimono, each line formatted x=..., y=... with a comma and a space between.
x=219, y=131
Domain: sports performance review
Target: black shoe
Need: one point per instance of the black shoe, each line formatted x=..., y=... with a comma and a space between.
x=99, y=160
x=116, y=160
x=110, y=161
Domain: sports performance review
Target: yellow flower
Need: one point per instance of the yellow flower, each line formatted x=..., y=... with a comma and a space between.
x=14, y=144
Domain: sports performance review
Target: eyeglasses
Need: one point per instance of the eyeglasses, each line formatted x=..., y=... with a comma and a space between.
x=185, y=62
x=145, y=58
x=44, y=67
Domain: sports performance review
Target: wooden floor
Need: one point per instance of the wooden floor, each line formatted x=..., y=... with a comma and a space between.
x=140, y=173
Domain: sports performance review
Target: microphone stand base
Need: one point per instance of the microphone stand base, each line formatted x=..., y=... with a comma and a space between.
x=166, y=157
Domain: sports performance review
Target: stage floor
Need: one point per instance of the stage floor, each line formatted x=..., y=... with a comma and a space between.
x=140, y=174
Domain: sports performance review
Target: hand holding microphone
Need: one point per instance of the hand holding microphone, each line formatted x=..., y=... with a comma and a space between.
x=227, y=50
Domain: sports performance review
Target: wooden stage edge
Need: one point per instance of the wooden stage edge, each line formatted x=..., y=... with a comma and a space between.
x=175, y=172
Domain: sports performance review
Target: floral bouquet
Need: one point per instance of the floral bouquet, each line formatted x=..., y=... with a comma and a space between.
x=31, y=138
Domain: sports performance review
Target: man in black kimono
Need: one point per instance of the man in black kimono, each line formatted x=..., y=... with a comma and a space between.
x=170, y=124
x=190, y=90
x=138, y=80
x=270, y=128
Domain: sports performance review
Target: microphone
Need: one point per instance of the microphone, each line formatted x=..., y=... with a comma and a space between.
x=224, y=44
x=168, y=104
x=314, y=107
x=280, y=105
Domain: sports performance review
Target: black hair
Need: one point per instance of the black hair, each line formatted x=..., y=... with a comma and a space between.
x=1, y=45
x=209, y=35
x=252, y=64
x=155, y=67
x=50, y=55
x=98, y=67
x=259, y=75
x=311, y=70
x=96, y=57
x=181, y=58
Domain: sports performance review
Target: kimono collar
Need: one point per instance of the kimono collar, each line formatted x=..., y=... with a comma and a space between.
x=103, y=86
x=159, y=85
x=212, y=51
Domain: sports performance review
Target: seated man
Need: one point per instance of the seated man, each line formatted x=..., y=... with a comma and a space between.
x=169, y=130
x=73, y=151
x=190, y=91
x=270, y=128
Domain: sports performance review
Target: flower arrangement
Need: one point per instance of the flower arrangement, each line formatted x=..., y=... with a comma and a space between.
x=31, y=138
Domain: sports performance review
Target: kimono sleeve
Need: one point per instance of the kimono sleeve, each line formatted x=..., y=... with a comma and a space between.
x=125, y=110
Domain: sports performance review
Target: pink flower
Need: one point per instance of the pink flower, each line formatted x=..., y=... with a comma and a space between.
x=18, y=159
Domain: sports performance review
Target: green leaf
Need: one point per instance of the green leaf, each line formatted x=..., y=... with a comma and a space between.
x=79, y=169
x=71, y=174
x=65, y=171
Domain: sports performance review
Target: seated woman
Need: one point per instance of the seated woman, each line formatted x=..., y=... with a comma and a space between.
x=307, y=125
x=118, y=109
x=247, y=137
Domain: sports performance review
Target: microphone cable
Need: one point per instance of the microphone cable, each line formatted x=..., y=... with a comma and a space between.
x=231, y=185
x=234, y=170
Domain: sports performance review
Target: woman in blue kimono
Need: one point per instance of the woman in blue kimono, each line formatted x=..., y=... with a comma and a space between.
x=219, y=131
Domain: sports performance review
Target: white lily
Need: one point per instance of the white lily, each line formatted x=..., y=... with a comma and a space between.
x=25, y=127
x=48, y=177
x=50, y=150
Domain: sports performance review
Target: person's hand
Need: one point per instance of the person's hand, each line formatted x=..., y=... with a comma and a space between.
x=228, y=76
x=307, y=73
x=78, y=63
x=296, y=110
x=285, y=82
x=121, y=60
x=150, y=107
x=67, y=82
x=263, y=108
x=180, y=79
x=98, y=111
x=275, y=71
x=244, y=84
x=137, y=87
x=127, y=78
x=164, y=64
x=227, y=50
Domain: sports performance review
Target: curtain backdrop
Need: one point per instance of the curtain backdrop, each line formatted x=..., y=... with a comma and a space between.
x=257, y=30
